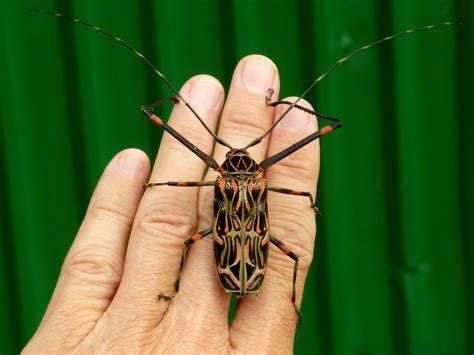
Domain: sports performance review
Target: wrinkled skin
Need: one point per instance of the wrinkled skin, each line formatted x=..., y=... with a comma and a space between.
x=129, y=245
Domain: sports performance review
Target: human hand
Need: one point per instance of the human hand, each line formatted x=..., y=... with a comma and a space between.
x=129, y=246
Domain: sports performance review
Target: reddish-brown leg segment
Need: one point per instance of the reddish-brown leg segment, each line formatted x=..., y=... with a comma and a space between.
x=207, y=159
x=285, y=249
x=187, y=243
x=180, y=183
x=299, y=107
x=297, y=193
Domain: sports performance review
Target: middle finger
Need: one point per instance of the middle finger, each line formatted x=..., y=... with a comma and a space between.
x=245, y=117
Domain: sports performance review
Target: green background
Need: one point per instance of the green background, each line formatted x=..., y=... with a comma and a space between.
x=394, y=265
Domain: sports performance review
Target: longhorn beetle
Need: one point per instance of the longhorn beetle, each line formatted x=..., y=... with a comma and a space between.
x=241, y=228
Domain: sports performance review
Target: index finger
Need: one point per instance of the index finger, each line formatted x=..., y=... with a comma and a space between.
x=167, y=215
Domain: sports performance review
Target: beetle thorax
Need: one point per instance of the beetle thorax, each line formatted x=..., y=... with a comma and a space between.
x=238, y=161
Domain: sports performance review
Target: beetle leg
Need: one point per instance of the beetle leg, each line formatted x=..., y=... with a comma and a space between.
x=297, y=193
x=180, y=183
x=285, y=249
x=268, y=99
x=187, y=243
x=161, y=102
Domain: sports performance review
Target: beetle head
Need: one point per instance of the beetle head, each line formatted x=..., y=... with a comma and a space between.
x=239, y=161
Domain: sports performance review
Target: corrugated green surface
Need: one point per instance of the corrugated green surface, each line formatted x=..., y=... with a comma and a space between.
x=394, y=265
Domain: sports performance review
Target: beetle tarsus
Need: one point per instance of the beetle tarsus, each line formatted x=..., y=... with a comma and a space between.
x=317, y=211
x=300, y=316
x=268, y=98
x=165, y=297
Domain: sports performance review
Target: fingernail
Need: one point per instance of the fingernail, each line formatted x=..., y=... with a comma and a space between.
x=258, y=74
x=295, y=119
x=130, y=164
x=205, y=93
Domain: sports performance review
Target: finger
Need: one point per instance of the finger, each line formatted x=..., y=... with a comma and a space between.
x=245, y=117
x=167, y=215
x=93, y=267
x=292, y=221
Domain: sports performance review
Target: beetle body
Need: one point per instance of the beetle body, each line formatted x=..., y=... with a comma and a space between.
x=241, y=234
x=241, y=230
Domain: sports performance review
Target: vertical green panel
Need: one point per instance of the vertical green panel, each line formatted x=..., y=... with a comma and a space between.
x=10, y=325
x=272, y=30
x=10, y=322
x=352, y=182
x=465, y=112
x=181, y=54
x=432, y=273
x=110, y=82
x=249, y=26
x=40, y=186
x=187, y=45
x=317, y=335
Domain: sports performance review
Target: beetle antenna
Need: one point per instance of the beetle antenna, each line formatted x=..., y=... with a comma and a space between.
x=339, y=62
x=147, y=62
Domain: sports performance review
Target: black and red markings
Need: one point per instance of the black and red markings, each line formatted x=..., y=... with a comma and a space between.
x=241, y=232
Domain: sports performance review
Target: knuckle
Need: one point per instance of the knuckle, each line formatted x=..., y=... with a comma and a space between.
x=300, y=226
x=299, y=235
x=167, y=221
x=305, y=261
x=119, y=317
x=299, y=168
x=195, y=342
x=206, y=205
x=250, y=115
x=94, y=263
x=284, y=265
x=110, y=207
x=138, y=325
